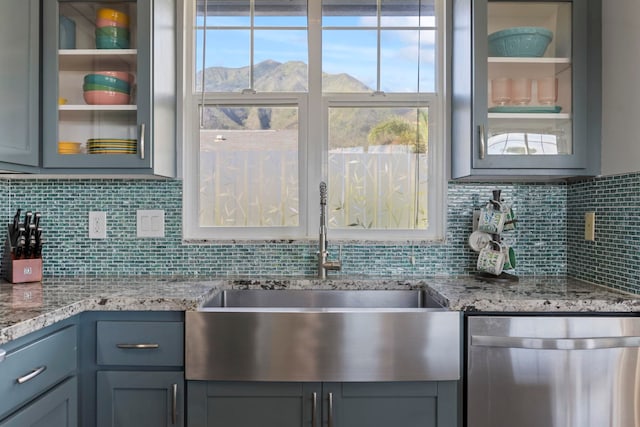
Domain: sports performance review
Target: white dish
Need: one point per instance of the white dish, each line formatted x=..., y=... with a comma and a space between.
x=479, y=240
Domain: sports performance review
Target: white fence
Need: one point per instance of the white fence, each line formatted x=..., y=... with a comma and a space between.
x=386, y=190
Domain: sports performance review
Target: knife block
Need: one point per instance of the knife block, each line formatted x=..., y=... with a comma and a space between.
x=23, y=270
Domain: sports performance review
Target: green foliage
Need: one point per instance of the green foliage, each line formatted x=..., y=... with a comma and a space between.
x=400, y=130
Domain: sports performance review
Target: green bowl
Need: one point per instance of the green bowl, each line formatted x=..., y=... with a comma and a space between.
x=92, y=86
x=116, y=32
x=104, y=42
x=111, y=82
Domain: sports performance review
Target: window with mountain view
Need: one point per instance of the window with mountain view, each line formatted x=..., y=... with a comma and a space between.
x=287, y=93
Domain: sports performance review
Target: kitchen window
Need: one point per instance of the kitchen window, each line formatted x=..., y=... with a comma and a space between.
x=283, y=94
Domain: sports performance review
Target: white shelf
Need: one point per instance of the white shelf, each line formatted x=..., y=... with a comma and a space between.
x=87, y=59
x=539, y=116
x=82, y=107
x=528, y=60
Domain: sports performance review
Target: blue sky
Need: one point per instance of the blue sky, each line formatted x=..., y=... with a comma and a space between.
x=344, y=51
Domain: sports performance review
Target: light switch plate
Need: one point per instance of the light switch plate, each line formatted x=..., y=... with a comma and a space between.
x=150, y=223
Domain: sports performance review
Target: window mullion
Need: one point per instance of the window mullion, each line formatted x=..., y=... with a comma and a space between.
x=316, y=143
x=378, y=42
x=252, y=9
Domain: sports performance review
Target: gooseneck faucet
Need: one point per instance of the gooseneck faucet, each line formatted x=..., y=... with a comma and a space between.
x=323, y=263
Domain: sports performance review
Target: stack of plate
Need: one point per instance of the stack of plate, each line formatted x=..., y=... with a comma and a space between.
x=112, y=146
x=68, y=147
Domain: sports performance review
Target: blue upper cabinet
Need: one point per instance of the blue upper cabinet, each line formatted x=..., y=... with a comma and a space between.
x=109, y=86
x=19, y=83
x=526, y=89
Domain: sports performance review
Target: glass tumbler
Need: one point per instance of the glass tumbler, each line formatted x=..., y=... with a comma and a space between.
x=547, y=90
x=501, y=91
x=521, y=90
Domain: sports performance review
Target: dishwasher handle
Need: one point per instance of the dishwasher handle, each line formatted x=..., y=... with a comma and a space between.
x=592, y=343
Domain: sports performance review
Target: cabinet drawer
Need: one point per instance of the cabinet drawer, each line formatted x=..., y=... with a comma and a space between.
x=35, y=367
x=140, y=343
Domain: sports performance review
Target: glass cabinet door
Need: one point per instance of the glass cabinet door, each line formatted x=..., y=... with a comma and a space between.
x=93, y=95
x=528, y=118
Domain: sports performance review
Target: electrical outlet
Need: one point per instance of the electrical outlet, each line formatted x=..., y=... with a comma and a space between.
x=97, y=225
x=476, y=219
x=150, y=223
x=590, y=226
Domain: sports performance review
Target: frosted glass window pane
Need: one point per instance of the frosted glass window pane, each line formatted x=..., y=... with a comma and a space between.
x=249, y=167
x=378, y=170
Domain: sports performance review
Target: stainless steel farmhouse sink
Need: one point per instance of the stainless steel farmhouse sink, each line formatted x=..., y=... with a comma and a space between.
x=291, y=298
x=322, y=335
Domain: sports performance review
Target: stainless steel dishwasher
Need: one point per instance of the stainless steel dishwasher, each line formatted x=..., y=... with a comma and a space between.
x=538, y=371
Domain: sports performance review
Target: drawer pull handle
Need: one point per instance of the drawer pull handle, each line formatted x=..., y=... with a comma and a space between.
x=141, y=140
x=330, y=409
x=482, y=141
x=314, y=408
x=174, y=404
x=31, y=375
x=138, y=346
x=2, y=354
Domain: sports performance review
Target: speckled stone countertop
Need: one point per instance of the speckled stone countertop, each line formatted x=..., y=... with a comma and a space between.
x=26, y=308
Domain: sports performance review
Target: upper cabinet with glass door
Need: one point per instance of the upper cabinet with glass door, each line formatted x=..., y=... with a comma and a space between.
x=528, y=91
x=108, y=102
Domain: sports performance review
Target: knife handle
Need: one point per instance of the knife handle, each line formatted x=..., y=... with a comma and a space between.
x=27, y=219
x=17, y=236
x=36, y=219
x=16, y=220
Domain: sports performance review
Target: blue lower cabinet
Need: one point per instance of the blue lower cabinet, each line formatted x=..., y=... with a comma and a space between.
x=140, y=399
x=398, y=404
x=249, y=404
x=56, y=408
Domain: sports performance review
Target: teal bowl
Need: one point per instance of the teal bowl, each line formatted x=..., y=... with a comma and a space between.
x=112, y=82
x=520, y=42
x=93, y=86
x=105, y=42
x=117, y=32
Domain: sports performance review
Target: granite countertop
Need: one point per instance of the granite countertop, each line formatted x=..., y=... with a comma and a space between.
x=26, y=308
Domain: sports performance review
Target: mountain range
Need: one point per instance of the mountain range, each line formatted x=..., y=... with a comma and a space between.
x=349, y=126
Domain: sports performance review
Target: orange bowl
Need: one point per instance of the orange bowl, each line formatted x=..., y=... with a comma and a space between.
x=105, y=97
x=122, y=75
x=68, y=147
x=113, y=15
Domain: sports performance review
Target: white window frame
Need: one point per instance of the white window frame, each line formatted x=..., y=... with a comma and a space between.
x=313, y=143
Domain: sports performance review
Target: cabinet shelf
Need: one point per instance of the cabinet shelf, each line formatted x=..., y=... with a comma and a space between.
x=528, y=60
x=87, y=59
x=539, y=116
x=97, y=107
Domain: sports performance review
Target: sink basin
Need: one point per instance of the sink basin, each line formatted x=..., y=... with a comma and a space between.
x=322, y=335
x=322, y=299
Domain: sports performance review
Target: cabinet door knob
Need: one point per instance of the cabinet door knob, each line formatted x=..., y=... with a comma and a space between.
x=31, y=375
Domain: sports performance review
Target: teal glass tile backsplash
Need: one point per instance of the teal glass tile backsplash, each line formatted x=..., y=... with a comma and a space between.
x=540, y=240
x=613, y=259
